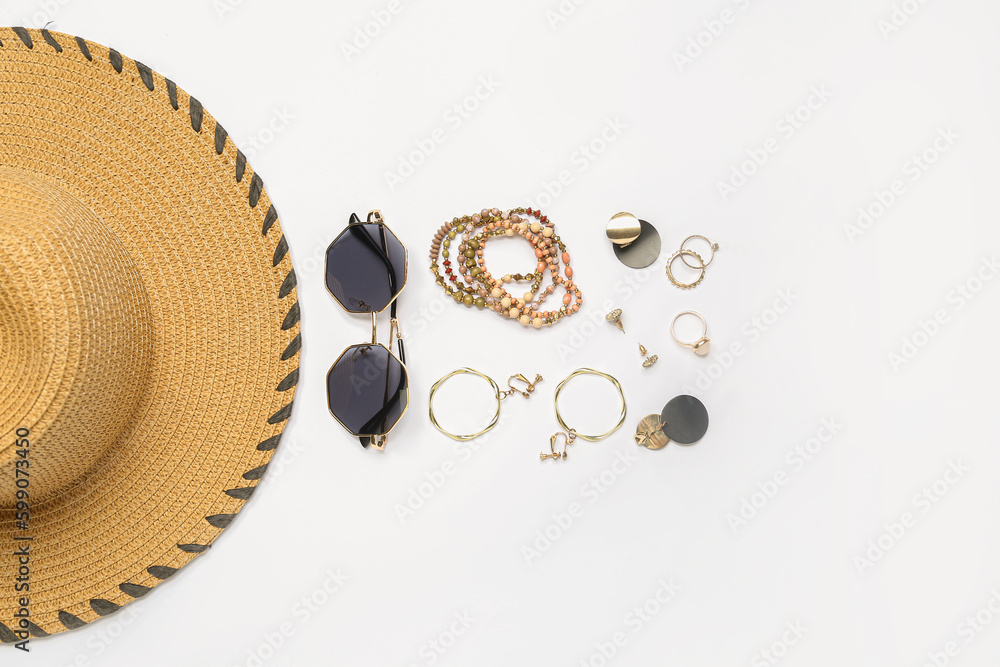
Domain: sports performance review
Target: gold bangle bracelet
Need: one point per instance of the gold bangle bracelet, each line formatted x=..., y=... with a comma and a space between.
x=589, y=371
x=464, y=371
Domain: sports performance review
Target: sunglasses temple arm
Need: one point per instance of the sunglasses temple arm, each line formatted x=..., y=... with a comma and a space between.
x=399, y=338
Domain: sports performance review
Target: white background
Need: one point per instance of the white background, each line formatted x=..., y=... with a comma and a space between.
x=343, y=121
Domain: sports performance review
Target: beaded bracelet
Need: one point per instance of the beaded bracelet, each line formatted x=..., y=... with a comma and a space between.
x=473, y=285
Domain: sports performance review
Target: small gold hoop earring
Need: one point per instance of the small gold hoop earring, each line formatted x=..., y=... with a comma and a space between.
x=711, y=246
x=689, y=253
x=570, y=434
x=498, y=395
x=701, y=346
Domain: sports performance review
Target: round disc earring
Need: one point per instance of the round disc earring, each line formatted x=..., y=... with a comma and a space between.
x=703, y=345
x=684, y=420
x=636, y=242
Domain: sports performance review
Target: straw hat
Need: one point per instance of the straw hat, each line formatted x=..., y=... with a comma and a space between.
x=149, y=330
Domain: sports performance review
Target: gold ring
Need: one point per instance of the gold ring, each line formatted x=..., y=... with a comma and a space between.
x=712, y=246
x=701, y=346
x=689, y=253
x=464, y=371
x=589, y=371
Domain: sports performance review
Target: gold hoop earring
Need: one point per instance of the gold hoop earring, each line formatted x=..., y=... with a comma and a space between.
x=568, y=434
x=703, y=345
x=689, y=253
x=499, y=396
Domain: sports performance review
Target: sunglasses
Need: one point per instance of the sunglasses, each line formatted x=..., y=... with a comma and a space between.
x=367, y=387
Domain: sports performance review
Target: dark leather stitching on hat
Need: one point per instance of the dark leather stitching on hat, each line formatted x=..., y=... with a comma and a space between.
x=51, y=41
x=172, y=94
x=145, y=74
x=24, y=36
x=269, y=444
x=220, y=138
x=291, y=318
x=36, y=631
x=256, y=185
x=256, y=473
x=241, y=165
x=116, y=60
x=134, y=590
x=70, y=621
x=292, y=348
x=290, y=381
x=288, y=285
x=241, y=494
x=280, y=250
x=281, y=415
x=84, y=49
x=195, y=110
x=194, y=548
x=104, y=607
x=220, y=520
x=162, y=571
x=269, y=220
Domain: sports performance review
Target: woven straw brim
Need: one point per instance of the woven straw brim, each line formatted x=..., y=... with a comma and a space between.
x=145, y=160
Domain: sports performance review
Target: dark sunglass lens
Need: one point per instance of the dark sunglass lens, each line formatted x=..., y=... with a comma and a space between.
x=367, y=389
x=365, y=267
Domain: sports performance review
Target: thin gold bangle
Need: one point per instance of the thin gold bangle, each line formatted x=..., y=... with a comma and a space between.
x=589, y=371
x=464, y=371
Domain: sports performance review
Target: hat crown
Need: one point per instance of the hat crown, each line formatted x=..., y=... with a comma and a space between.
x=75, y=335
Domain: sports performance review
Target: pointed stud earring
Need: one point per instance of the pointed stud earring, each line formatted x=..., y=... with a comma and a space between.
x=649, y=360
x=615, y=317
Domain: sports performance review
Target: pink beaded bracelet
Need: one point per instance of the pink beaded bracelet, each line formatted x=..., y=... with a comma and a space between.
x=468, y=281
